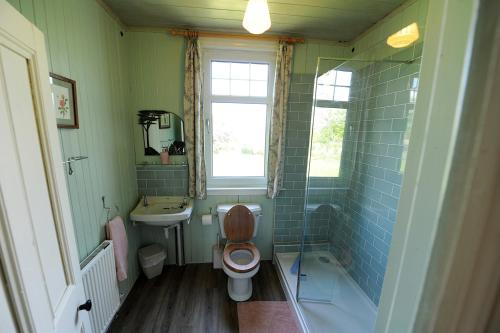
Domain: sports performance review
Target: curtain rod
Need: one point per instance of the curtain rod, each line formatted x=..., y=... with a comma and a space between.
x=182, y=32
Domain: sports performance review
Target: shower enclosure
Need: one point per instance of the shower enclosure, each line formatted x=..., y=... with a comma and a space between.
x=360, y=124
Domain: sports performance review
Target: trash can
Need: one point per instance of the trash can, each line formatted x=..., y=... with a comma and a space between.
x=151, y=259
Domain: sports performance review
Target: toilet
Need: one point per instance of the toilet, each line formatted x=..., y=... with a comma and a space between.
x=241, y=259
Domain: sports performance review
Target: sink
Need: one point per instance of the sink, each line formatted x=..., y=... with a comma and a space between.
x=167, y=213
x=162, y=211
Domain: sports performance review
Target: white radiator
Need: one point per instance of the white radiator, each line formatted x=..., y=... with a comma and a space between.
x=101, y=286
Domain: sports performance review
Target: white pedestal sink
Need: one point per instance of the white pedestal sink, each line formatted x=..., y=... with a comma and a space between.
x=165, y=212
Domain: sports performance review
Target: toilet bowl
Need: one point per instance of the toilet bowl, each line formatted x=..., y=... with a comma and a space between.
x=241, y=258
x=241, y=261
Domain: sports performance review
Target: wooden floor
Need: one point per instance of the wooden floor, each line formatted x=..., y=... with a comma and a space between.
x=191, y=298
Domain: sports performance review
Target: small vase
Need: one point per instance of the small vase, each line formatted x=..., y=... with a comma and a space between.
x=164, y=157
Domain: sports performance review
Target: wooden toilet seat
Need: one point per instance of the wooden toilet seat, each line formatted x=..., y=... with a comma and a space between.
x=230, y=248
x=239, y=225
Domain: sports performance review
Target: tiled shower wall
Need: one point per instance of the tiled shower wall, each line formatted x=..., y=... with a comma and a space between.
x=360, y=231
x=380, y=121
x=289, y=205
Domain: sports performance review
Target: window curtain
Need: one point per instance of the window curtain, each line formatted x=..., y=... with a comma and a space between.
x=276, y=157
x=193, y=119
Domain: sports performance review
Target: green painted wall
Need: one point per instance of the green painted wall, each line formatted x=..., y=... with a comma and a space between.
x=155, y=61
x=306, y=55
x=155, y=64
x=117, y=76
x=199, y=239
x=171, y=180
x=84, y=44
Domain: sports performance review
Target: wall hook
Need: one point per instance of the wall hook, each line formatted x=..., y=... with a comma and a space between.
x=73, y=159
x=108, y=209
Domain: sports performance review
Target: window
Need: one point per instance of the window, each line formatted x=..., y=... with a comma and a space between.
x=329, y=123
x=334, y=86
x=327, y=140
x=238, y=100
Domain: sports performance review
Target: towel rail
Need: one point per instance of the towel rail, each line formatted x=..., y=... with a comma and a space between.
x=73, y=159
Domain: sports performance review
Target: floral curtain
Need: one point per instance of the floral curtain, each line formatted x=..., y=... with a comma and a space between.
x=278, y=121
x=193, y=119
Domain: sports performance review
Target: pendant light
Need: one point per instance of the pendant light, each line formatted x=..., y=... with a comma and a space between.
x=404, y=37
x=257, y=19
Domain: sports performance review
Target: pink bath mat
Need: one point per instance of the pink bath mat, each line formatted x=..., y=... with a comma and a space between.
x=266, y=317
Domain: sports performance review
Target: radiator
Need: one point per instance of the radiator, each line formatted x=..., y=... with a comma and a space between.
x=101, y=286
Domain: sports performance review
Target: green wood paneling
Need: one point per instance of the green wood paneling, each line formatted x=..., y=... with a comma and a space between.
x=306, y=55
x=156, y=80
x=27, y=8
x=84, y=43
x=16, y=4
x=156, y=71
x=117, y=76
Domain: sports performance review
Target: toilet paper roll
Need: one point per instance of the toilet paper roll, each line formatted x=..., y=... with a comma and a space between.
x=206, y=219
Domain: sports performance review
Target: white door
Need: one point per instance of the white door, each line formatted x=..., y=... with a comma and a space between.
x=37, y=246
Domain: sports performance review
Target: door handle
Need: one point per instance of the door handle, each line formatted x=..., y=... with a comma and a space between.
x=85, y=306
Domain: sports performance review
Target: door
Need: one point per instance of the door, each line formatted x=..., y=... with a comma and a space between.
x=37, y=246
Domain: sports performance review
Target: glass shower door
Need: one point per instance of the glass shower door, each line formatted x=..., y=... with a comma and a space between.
x=360, y=127
x=316, y=282
x=326, y=176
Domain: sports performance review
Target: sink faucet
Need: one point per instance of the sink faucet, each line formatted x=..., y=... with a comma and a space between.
x=145, y=201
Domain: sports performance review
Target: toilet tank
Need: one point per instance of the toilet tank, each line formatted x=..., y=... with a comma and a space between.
x=222, y=209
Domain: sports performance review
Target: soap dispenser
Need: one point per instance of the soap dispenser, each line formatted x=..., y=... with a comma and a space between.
x=164, y=156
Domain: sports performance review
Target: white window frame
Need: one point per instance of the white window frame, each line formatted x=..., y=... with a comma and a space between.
x=335, y=85
x=235, y=185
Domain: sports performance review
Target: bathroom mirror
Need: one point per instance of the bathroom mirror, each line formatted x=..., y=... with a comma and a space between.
x=161, y=130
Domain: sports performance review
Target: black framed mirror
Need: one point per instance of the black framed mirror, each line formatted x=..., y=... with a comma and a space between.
x=161, y=130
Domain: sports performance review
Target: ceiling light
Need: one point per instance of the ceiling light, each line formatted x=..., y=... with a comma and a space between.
x=404, y=37
x=257, y=19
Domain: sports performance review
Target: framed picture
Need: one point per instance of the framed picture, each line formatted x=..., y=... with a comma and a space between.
x=64, y=101
x=164, y=121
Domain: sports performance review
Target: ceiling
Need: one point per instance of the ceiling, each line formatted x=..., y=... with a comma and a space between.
x=339, y=20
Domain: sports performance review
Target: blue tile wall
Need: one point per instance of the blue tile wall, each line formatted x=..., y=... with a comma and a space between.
x=158, y=179
x=380, y=119
x=289, y=205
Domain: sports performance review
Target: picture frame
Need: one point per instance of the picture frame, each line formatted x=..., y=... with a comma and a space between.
x=64, y=101
x=164, y=121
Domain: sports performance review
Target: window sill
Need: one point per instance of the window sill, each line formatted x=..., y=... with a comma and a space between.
x=237, y=191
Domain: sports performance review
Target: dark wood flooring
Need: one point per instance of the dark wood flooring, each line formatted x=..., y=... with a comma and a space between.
x=191, y=298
